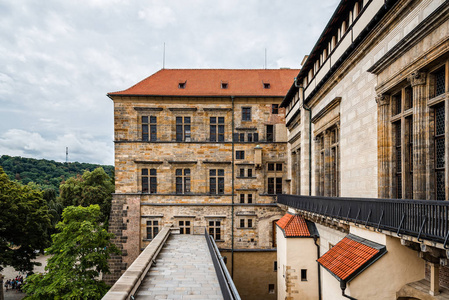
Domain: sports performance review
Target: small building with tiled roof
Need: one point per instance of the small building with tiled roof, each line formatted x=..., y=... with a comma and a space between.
x=351, y=256
x=296, y=257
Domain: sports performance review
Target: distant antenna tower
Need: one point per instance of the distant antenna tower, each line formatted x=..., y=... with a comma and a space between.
x=265, y=58
x=163, y=58
x=66, y=154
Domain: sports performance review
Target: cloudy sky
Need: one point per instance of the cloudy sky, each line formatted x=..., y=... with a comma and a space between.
x=59, y=58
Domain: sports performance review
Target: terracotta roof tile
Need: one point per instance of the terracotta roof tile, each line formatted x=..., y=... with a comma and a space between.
x=350, y=256
x=293, y=226
x=207, y=82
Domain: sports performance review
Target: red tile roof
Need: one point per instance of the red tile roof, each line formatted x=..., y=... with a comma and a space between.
x=351, y=256
x=293, y=226
x=208, y=82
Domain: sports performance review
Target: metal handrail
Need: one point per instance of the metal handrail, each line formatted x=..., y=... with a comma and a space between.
x=425, y=219
x=227, y=286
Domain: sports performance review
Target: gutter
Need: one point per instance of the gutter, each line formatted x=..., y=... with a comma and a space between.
x=319, y=269
x=343, y=288
x=232, y=197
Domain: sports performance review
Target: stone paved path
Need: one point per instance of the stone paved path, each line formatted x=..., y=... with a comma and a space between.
x=184, y=270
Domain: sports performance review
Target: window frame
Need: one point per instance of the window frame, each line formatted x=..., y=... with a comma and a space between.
x=152, y=229
x=246, y=113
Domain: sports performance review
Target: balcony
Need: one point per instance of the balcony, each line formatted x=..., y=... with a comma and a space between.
x=420, y=219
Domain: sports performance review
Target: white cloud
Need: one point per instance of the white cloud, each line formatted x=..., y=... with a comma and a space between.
x=83, y=148
x=58, y=59
x=157, y=16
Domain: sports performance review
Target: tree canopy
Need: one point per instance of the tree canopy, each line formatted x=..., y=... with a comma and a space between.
x=46, y=173
x=94, y=187
x=80, y=252
x=24, y=220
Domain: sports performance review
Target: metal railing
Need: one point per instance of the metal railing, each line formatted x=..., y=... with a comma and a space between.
x=423, y=219
x=227, y=286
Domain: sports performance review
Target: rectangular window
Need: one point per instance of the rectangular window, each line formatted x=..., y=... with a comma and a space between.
x=274, y=109
x=183, y=127
x=440, y=84
x=144, y=177
x=274, y=183
x=215, y=229
x=153, y=181
x=271, y=289
x=250, y=198
x=144, y=128
x=440, y=152
x=246, y=113
x=153, y=128
x=398, y=160
x=303, y=274
x=242, y=172
x=256, y=136
x=182, y=181
x=152, y=229
x=185, y=227
x=278, y=185
x=270, y=133
x=250, y=137
x=216, y=181
x=249, y=222
x=250, y=172
x=242, y=198
x=241, y=137
x=275, y=265
x=217, y=129
x=239, y=154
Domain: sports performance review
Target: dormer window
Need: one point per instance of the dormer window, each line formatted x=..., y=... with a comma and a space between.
x=224, y=85
x=266, y=85
x=182, y=84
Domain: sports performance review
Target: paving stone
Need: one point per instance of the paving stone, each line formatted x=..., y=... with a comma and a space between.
x=184, y=270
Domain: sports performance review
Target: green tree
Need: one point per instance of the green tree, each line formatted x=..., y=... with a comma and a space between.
x=94, y=187
x=24, y=221
x=80, y=253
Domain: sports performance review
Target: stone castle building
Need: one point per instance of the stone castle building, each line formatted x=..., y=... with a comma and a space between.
x=359, y=141
x=203, y=150
x=367, y=119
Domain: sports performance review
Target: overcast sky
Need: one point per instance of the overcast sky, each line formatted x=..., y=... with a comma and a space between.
x=59, y=58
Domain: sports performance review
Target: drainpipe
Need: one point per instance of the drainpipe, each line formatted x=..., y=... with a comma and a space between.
x=319, y=269
x=301, y=87
x=343, y=288
x=232, y=197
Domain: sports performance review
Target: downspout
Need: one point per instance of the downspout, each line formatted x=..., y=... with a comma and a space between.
x=319, y=269
x=343, y=288
x=301, y=87
x=232, y=197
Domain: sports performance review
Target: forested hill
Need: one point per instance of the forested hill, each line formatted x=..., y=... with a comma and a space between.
x=47, y=173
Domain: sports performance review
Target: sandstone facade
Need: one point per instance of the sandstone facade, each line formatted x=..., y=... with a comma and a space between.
x=209, y=163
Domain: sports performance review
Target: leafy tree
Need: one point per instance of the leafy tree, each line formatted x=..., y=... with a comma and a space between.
x=24, y=220
x=94, y=187
x=45, y=173
x=80, y=252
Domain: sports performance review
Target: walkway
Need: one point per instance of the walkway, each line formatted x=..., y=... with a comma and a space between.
x=184, y=270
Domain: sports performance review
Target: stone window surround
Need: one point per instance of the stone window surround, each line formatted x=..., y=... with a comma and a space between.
x=215, y=227
x=274, y=174
x=327, y=167
x=423, y=168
